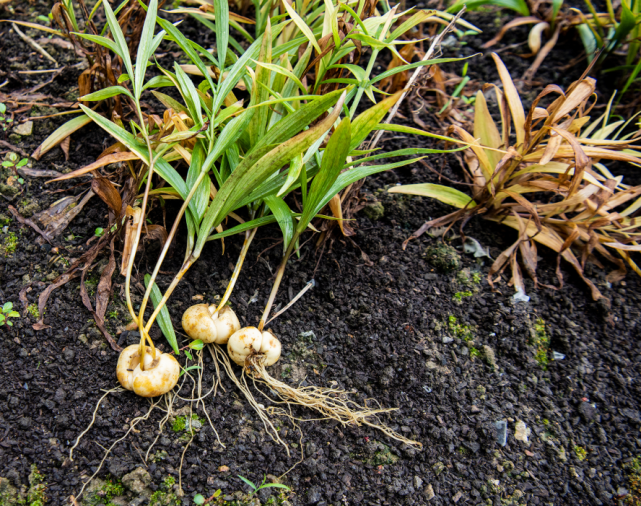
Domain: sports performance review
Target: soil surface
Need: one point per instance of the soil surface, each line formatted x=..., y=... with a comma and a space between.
x=458, y=361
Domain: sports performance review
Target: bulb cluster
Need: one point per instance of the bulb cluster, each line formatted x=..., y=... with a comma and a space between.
x=203, y=322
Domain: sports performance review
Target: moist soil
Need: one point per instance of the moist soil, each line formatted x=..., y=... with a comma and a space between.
x=452, y=356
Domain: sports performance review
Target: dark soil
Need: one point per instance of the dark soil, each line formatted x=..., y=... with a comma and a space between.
x=385, y=323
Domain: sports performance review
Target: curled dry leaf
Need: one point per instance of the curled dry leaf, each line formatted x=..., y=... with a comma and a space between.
x=107, y=193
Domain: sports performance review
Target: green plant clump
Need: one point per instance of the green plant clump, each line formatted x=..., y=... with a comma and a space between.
x=458, y=296
x=32, y=309
x=634, y=479
x=36, y=493
x=460, y=331
x=541, y=341
x=9, y=245
x=164, y=495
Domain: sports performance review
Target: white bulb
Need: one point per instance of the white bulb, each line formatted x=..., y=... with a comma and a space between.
x=203, y=322
x=251, y=341
x=159, y=377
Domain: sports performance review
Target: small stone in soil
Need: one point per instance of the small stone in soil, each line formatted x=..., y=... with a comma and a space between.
x=501, y=432
x=429, y=492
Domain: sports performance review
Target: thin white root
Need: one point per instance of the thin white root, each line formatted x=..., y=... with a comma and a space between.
x=93, y=418
x=218, y=353
x=331, y=403
x=134, y=422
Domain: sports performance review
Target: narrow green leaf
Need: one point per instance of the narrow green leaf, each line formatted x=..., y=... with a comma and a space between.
x=145, y=47
x=280, y=70
x=185, y=45
x=333, y=160
x=105, y=93
x=284, y=217
x=60, y=134
x=190, y=95
x=365, y=122
x=158, y=82
x=302, y=26
x=164, y=320
x=243, y=227
x=200, y=199
x=295, y=166
x=445, y=194
x=169, y=102
x=119, y=38
x=101, y=41
x=403, y=68
x=221, y=8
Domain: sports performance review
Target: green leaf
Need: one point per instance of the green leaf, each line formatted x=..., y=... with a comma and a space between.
x=190, y=368
x=275, y=485
x=163, y=319
x=105, y=93
x=256, y=129
x=13, y=314
x=166, y=171
x=243, y=227
x=245, y=479
x=445, y=194
x=102, y=41
x=199, y=499
x=200, y=200
x=283, y=216
x=61, y=133
x=190, y=95
x=331, y=165
x=169, y=102
x=145, y=47
x=403, y=68
x=516, y=5
x=196, y=345
x=401, y=152
x=158, y=82
x=8, y=306
x=351, y=176
x=283, y=71
x=365, y=122
x=302, y=26
x=295, y=166
x=221, y=8
x=185, y=45
x=119, y=38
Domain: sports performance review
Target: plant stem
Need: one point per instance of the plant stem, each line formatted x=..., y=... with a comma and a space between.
x=165, y=249
x=249, y=236
x=277, y=281
x=152, y=160
x=183, y=270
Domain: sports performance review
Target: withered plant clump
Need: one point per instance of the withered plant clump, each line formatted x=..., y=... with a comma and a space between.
x=543, y=174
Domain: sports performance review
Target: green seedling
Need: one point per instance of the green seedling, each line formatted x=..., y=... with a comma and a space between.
x=6, y=311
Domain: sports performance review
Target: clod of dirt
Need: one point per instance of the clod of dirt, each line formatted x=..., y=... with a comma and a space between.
x=137, y=481
x=374, y=211
x=442, y=256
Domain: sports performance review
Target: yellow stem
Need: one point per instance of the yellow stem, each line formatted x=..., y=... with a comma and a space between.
x=234, y=277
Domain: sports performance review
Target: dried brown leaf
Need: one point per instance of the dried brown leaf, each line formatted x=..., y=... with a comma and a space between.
x=107, y=193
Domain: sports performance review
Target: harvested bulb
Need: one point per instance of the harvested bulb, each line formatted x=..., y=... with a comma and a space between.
x=251, y=341
x=159, y=376
x=203, y=322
